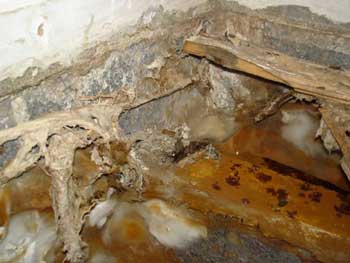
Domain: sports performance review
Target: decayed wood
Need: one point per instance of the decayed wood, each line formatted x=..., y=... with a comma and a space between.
x=331, y=86
x=302, y=76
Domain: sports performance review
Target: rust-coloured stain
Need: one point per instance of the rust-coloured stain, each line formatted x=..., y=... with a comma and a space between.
x=216, y=186
x=292, y=214
x=263, y=177
x=282, y=197
x=245, y=201
x=233, y=180
x=283, y=207
x=265, y=142
x=305, y=187
x=344, y=207
x=253, y=169
x=281, y=194
x=315, y=196
x=271, y=191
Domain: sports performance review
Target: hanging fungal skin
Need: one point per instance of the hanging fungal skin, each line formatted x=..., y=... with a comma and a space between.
x=170, y=226
x=30, y=235
x=300, y=128
x=53, y=141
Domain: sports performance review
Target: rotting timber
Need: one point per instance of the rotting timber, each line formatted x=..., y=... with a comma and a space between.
x=219, y=183
x=331, y=87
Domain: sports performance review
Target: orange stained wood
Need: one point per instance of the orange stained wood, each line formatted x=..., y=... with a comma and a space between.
x=282, y=207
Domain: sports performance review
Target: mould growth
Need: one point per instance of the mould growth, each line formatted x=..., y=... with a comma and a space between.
x=138, y=149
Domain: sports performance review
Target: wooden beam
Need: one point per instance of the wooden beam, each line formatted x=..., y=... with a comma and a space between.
x=331, y=86
x=304, y=77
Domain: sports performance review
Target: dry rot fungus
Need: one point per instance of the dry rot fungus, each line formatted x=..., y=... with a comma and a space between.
x=51, y=142
x=267, y=175
x=159, y=147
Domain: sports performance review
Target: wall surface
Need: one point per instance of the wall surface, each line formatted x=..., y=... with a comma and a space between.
x=38, y=33
x=338, y=10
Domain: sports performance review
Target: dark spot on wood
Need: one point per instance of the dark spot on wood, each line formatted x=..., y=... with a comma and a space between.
x=234, y=166
x=216, y=186
x=282, y=197
x=308, y=179
x=343, y=208
x=281, y=168
x=315, y=196
x=282, y=203
x=263, y=177
x=237, y=165
x=281, y=193
x=253, y=169
x=292, y=214
x=343, y=198
x=305, y=187
x=233, y=180
x=347, y=132
x=245, y=201
x=271, y=191
x=302, y=195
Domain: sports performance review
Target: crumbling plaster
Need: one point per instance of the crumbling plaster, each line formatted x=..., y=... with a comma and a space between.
x=39, y=33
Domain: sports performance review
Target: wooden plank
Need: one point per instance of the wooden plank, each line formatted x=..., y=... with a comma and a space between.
x=281, y=207
x=304, y=77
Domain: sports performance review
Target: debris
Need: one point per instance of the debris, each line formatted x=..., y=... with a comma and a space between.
x=327, y=137
x=212, y=153
x=184, y=151
x=274, y=106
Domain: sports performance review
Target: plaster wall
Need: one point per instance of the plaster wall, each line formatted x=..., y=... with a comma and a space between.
x=38, y=33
